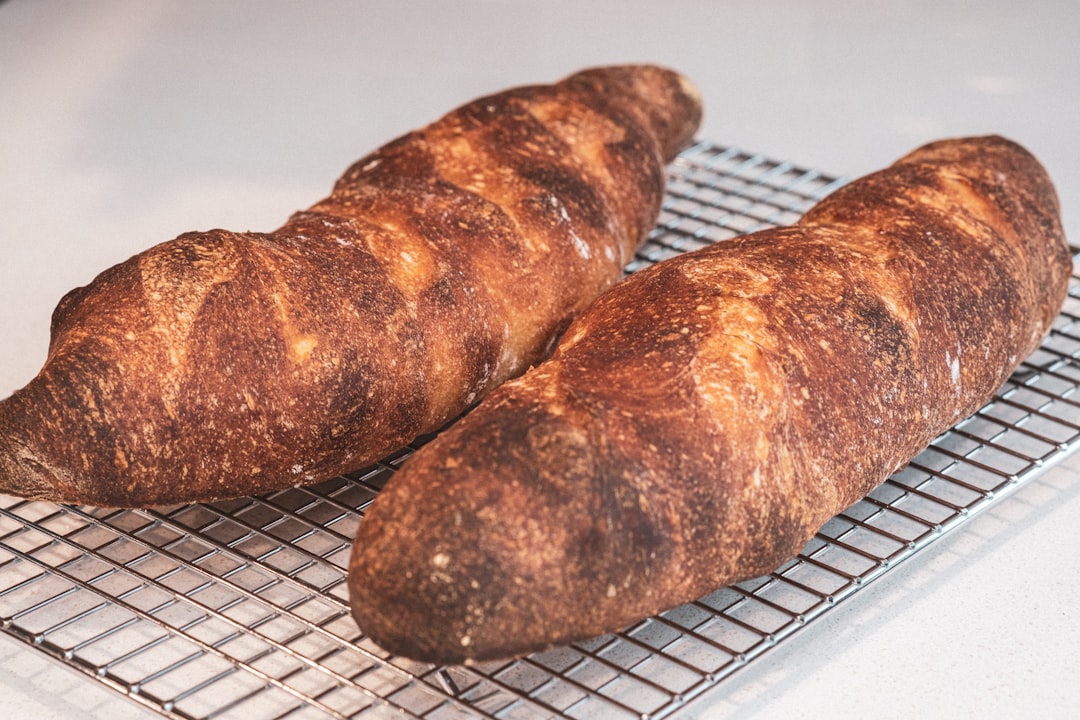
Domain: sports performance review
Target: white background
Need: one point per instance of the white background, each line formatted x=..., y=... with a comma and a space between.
x=123, y=124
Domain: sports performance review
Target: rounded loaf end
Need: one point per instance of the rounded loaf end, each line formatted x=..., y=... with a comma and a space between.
x=671, y=102
x=448, y=587
x=493, y=574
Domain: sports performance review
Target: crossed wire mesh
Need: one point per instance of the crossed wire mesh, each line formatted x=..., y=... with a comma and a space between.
x=239, y=609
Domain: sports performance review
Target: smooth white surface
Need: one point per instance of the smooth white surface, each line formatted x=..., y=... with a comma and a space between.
x=123, y=124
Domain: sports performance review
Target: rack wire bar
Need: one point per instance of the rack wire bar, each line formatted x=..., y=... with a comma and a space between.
x=239, y=609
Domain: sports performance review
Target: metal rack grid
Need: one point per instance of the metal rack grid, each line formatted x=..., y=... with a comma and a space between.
x=239, y=609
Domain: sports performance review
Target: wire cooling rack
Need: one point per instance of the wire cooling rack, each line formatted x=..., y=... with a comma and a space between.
x=239, y=610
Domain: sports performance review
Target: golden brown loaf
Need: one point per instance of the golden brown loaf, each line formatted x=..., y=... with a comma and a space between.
x=704, y=418
x=221, y=363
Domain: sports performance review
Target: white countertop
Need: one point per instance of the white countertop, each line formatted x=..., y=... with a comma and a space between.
x=124, y=124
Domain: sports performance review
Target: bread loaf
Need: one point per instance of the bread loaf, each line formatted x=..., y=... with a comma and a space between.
x=221, y=363
x=701, y=421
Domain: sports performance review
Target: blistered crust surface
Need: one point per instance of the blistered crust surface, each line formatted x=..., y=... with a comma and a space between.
x=221, y=364
x=704, y=418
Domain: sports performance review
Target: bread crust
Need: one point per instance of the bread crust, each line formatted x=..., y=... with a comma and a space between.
x=704, y=418
x=221, y=364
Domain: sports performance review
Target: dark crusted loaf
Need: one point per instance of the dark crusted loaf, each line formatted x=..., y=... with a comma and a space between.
x=704, y=418
x=221, y=364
